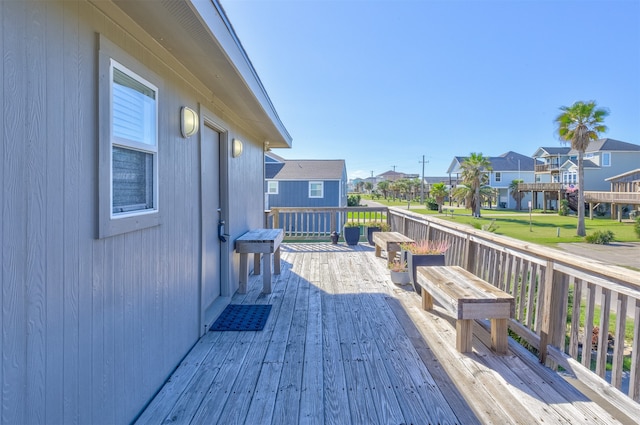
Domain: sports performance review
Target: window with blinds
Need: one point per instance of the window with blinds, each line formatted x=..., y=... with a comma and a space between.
x=134, y=141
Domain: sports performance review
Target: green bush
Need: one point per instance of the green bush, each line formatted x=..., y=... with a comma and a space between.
x=564, y=207
x=353, y=200
x=600, y=237
x=636, y=226
x=431, y=204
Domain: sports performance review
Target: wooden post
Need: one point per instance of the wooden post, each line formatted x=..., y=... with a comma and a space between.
x=554, y=288
x=590, y=210
x=276, y=218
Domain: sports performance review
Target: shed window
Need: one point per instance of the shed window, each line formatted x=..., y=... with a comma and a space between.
x=272, y=187
x=316, y=189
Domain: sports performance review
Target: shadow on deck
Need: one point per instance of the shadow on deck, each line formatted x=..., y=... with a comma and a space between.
x=344, y=345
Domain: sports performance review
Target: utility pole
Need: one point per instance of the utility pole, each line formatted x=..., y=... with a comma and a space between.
x=394, y=168
x=422, y=181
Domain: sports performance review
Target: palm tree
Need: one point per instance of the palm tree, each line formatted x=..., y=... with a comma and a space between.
x=513, y=188
x=579, y=124
x=439, y=192
x=384, y=187
x=474, y=174
x=368, y=186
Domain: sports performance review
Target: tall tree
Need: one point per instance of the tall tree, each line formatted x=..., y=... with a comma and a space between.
x=384, y=187
x=579, y=124
x=439, y=192
x=513, y=188
x=475, y=175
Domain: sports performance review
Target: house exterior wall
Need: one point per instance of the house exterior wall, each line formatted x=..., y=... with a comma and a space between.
x=504, y=194
x=620, y=163
x=296, y=194
x=93, y=327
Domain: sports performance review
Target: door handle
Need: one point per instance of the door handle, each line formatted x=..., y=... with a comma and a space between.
x=221, y=234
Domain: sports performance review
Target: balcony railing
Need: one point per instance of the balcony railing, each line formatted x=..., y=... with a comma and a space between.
x=547, y=168
x=615, y=197
x=527, y=187
x=562, y=301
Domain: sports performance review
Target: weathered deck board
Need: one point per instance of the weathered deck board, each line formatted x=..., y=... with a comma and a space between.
x=344, y=345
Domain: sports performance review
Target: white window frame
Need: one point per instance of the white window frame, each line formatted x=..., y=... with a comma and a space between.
x=313, y=183
x=498, y=176
x=148, y=148
x=273, y=187
x=606, y=163
x=110, y=223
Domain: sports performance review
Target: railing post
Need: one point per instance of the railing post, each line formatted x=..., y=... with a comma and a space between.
x=332, y=220
x=276, y=218
x=552, y=331
x=468, y=254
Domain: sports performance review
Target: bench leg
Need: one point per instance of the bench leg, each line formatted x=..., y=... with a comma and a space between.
x=378, y=251
x=256, y=264
x=391, y=256
x=499, y=336
x=276, y=262
x=244, y=273
x=266, y=277
x=464, y=335
x=427, y=300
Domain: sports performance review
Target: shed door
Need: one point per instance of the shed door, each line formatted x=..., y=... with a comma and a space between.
x=211, y=210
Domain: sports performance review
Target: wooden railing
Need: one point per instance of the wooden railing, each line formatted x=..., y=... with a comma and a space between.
x=615, y=197
x=318, y=223
x=561, y=300
x=547, y=167
x=527, y=187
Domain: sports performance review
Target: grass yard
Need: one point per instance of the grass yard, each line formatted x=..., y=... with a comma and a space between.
x=543, y=229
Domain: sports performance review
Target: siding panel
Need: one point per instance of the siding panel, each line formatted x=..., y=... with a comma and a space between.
x=14, y=207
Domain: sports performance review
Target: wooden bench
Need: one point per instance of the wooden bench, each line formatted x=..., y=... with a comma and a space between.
x=390, y=242
x=259, y=241
x=468, y=297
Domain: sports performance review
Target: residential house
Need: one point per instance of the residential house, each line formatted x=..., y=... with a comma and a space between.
x=603, y=158
x=557, y=169
x=506, y=168
x=128, y=130
x=305, y=182
x=393, y=176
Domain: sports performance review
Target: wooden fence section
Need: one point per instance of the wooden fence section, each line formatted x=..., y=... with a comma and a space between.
x=318, y=223
x=563, y=302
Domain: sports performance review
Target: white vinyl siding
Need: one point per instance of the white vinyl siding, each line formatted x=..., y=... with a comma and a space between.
x=316, y=189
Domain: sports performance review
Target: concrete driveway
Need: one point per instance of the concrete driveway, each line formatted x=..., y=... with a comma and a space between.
x=626, y=254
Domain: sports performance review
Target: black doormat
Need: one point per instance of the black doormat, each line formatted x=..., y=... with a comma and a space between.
x=242, y=317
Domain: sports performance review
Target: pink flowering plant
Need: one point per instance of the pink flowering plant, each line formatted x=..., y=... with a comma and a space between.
x=427, y=247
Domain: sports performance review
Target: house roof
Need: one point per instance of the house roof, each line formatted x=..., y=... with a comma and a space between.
x=628, y=173
x=609, y=145
x=551, y=151
x=306, y=169
x=199, y=35
x=508, y=161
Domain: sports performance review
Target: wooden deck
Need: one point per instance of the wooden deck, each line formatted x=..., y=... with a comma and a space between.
x=344, y=345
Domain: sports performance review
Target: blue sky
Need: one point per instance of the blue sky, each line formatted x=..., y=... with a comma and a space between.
x=382, y=83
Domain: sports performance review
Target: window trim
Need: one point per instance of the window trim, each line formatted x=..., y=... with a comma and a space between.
x=316, y=182
x=607, y=155
x=277, y=187
x=110, y=224
x=498, y=176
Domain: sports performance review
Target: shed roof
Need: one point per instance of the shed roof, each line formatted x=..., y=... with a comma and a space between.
x=306, y=169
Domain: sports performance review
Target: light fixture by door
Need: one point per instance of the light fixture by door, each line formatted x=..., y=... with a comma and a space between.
x=189, y=122
x=236, y=148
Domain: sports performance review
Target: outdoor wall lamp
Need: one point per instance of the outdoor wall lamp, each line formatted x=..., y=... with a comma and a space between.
x=189, y=122
x=236, y=148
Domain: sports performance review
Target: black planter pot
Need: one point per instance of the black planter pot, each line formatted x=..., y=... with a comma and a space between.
x=351, y=235
x=370, y=231
x=416, y=260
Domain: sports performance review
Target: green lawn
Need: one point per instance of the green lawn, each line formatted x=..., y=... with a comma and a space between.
x=542, y=230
